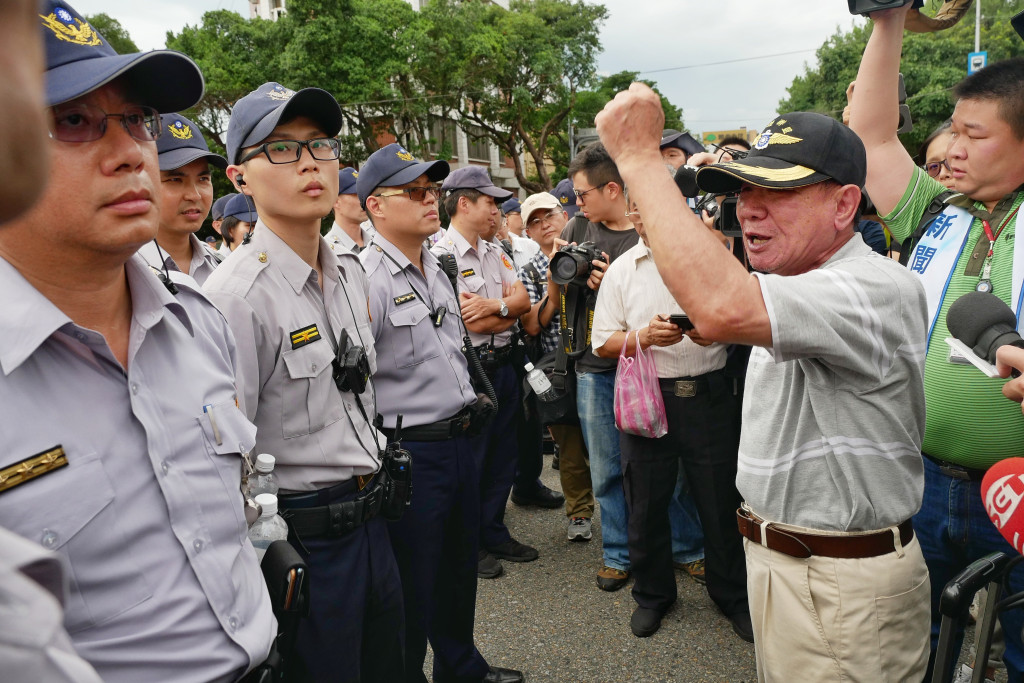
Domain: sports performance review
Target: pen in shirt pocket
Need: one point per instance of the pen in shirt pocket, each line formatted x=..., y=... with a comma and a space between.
x=208, y=409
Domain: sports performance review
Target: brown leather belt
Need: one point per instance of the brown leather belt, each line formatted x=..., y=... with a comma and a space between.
x=803, y=545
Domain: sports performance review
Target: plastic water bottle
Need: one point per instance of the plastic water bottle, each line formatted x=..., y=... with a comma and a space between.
x=263, y=479
x=269, y=527
x=539, y=383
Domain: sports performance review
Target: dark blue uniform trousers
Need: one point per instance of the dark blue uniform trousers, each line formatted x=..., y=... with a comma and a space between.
x=435, y=545
x=498, y=459
x=354, y=630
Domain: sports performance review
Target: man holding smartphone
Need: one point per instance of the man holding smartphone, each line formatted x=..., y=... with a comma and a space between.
x=703, y=437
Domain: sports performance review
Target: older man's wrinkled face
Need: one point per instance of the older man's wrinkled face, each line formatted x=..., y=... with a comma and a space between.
x=788, y=232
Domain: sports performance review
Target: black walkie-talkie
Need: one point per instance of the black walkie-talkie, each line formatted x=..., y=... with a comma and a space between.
x=397, y=465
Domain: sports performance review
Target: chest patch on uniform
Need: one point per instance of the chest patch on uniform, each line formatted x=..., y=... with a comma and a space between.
x=506, y=262
x=33, y=467
x=468, y=272
x=405, y=298
x=306, y=335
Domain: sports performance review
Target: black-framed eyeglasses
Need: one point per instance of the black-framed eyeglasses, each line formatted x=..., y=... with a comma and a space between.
x=85, y=122
x=579, y=193
x=935, y=168
x=417, y=193
x=289, y=151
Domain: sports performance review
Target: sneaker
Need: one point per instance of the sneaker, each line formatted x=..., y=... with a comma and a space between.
x=966, y=674
x=487, y=566
x=514, y=551
x=695, y=569
x=611, y=579
x=579, y=529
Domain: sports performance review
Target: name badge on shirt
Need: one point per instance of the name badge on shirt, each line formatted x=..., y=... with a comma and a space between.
x=405, y=298
x=33, y=467
x=468, y=272
x=306, y=335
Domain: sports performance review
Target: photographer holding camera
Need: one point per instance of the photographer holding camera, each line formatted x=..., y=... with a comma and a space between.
x=588, y=244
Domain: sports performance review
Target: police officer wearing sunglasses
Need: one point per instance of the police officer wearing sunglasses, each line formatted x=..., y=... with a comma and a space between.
x=423, y=375
x=298, y=309
x=120, y=439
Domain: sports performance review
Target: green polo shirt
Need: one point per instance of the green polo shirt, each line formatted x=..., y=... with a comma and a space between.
x=968, y=420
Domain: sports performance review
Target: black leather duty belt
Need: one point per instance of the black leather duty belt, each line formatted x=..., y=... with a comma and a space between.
x=442, y=430
x=957, y=471
x=332, y=520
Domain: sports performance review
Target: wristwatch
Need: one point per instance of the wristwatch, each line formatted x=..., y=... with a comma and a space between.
x=503, y=311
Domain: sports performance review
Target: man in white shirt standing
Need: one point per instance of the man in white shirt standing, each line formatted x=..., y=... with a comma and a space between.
x=703, y=435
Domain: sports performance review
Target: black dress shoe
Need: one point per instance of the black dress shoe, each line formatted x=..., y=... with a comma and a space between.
x=742, y=627
x=499, y=675
x=645, y=622
x=514, y=551
x=543, y=497
x=487, y=567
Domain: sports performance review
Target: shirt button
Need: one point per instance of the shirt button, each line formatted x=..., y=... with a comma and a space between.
x=233, y=623
x=80, y=336
x=50, y=539
x=135, y=388
x=165, y=466
x=314, y=367
x=197, y=544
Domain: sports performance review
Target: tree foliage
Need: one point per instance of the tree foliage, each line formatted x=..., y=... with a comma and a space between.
x=114, y=33
x=932, y=64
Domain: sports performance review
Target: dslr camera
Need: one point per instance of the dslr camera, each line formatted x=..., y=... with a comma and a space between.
x=572, y=264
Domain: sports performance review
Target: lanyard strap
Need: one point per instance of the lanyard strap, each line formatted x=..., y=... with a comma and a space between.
x=988, y=231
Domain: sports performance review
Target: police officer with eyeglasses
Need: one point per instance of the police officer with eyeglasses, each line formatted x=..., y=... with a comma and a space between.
x=299, y=312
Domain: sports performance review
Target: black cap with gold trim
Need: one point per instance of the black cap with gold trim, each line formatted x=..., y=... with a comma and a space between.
x=795, y=150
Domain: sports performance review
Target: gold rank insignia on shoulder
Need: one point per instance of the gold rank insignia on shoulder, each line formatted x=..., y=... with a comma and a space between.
x=262, y=256
x=405, y=298
x=31, y=468
x=468, y=272
x=307, y=335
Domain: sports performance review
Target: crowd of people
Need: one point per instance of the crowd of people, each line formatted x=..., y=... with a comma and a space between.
x=818, y=468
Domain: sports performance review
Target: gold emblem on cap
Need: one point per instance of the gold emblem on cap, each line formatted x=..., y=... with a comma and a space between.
x=262, y=257
x=180, y=131
x=355, y=174
x=778, y=175
x=83, y=34
x=404, y=156
x=281, y=94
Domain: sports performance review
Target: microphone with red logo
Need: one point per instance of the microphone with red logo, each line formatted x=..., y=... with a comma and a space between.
x=1002, y=491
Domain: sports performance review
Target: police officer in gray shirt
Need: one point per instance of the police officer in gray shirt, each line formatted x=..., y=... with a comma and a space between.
x=120, y=441
x=298, y=310
x=422, y=375
x=186, y=194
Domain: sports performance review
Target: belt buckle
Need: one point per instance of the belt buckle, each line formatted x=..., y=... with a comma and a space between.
x=954, y=472
x=686, y=388
x=362, y=481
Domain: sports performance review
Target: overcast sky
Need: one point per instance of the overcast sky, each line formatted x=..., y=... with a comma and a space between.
x=640, y=35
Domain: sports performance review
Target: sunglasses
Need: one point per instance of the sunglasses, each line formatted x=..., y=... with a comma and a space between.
x=935, y=168
x=289, y=151
x=417, y=194
x=85, y=122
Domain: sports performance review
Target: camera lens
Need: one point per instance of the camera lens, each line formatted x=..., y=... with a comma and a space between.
x=565, y=267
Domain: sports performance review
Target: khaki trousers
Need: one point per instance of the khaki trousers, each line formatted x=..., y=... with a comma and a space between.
x=828, y=619
x=574, y=470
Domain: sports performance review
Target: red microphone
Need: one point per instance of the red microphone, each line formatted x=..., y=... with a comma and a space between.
x=1002, y=490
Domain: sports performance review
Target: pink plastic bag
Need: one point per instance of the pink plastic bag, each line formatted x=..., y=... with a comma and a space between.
x=639, y=408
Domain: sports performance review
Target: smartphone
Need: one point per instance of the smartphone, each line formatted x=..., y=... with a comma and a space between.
x=681, y=320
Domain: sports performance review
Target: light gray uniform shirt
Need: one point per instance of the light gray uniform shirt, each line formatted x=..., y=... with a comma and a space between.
x=421, y=371
x=147, y=514
x=201, y=267
x=33, y=643
x=339, y=240
x=284, y=324
x=523, y=250
x=483, y=270
x=833, y=412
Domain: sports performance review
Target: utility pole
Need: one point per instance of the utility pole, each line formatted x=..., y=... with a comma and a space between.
x=977, y=25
